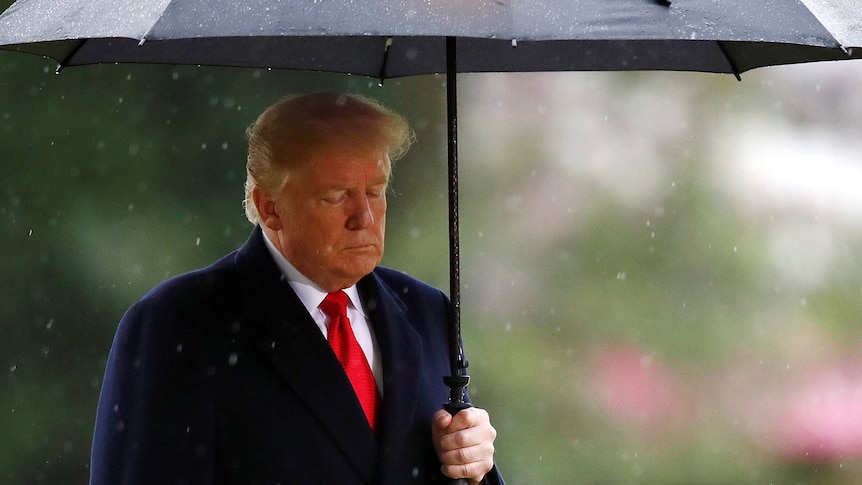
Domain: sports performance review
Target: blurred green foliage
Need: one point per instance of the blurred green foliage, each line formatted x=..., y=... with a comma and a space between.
x=117, y=177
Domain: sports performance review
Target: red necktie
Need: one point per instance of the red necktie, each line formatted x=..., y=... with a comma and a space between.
x=349, y=353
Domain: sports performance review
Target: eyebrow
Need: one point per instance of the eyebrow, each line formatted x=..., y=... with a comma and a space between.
x=384, y=180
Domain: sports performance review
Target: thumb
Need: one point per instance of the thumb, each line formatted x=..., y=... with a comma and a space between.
x=442, y=419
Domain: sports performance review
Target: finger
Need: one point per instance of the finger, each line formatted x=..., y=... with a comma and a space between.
x=464, y=438
x=483, y=452
x=468, y=418
x=474, y=471
x=477, y=436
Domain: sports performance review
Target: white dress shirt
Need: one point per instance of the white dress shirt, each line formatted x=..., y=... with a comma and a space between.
x=312, y=296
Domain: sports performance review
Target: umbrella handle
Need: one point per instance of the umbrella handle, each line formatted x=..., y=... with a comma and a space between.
x=455, y=405
x=455, y=408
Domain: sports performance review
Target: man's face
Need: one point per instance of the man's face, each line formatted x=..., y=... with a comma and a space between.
x=333, y=215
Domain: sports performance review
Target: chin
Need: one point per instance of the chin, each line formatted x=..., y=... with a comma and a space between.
x=357, y=271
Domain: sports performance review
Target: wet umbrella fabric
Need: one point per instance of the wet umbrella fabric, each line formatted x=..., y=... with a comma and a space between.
x=731, y=36
x=392, y=38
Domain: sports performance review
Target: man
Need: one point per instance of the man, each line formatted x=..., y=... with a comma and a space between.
x=295, y=359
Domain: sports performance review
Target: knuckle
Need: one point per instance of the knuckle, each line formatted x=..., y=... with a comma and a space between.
x=463, y=455
x=464, y=471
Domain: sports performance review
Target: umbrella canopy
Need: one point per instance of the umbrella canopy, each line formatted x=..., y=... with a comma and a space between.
x=391, y=38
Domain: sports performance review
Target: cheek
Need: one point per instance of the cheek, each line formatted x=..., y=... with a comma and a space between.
x=380, y=223
x=380, y=215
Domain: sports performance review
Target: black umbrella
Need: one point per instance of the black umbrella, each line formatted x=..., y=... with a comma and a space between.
x=392, y=38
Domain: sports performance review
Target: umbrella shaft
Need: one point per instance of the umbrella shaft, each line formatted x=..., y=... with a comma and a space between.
x=457, y=363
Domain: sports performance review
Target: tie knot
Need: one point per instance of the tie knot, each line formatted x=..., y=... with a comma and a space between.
x=335, y=304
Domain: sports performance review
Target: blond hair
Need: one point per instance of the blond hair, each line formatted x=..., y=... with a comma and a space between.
x=290, y=130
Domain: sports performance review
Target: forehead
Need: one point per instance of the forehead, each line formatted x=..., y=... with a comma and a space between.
x=344, y=164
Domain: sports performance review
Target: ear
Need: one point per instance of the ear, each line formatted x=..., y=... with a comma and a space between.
x=266, y=209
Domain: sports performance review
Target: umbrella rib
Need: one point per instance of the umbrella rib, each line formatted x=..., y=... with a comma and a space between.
x=385, y=63
x=147, y=34
x=734, y=69
x=65, y=61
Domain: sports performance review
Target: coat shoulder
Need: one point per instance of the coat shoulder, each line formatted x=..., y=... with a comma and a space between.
x=191, y=287
x=184, y=307
x=403, y=284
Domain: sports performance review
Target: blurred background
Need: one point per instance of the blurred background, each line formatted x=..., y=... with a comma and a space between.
x=662, y=272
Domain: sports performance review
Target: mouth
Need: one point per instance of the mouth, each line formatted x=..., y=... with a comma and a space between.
x=361, y=247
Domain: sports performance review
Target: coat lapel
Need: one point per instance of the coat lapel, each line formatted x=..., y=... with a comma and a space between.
x=401, y=351
x=287, y=336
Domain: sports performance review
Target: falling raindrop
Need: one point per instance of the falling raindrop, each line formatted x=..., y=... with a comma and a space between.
x=232, y=358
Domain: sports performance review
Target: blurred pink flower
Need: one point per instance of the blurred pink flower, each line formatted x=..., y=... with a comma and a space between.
x=822, y=418
x=634, y=387
x=810, y=414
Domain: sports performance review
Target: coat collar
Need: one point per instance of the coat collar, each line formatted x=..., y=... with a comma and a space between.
x=288, y=337
x=401, y=351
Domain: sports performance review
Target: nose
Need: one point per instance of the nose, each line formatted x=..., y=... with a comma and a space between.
x=361, y=216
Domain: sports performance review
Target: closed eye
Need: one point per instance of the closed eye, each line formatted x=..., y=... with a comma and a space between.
x=334, y=198
x=376, y=191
